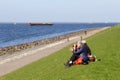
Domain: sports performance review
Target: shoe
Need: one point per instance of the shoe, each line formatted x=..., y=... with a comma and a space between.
x=67, y=65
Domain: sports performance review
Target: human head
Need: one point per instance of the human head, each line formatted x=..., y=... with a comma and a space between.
x=83, y=41
x=75, y=46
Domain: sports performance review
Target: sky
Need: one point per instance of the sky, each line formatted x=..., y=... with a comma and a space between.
x=59, y=10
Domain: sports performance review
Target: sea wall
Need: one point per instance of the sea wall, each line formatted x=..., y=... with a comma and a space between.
x=12, y=49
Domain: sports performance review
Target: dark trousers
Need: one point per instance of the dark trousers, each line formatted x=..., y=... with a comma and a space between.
x=74, y=57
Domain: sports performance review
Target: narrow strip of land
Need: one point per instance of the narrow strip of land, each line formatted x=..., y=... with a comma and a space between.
x=12, y=62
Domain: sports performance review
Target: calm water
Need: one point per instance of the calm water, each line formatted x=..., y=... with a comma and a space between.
x=11, y=34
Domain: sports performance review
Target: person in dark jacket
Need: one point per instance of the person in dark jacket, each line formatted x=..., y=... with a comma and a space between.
x=84, y=52
x=73, y=57
x=80, y=51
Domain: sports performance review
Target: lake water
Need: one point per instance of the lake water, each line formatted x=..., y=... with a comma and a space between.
x=11, y=34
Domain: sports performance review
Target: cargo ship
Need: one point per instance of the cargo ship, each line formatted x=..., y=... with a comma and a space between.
x=40, y=24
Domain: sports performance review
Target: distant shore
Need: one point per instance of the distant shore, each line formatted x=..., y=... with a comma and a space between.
x=13, y=49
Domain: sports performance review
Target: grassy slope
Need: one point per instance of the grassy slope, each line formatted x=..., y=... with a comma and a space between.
x=105, y=45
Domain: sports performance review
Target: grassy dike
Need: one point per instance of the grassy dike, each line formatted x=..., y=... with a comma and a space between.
x=105, y=45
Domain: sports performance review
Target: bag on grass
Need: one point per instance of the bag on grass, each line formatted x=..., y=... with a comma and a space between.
x=92, y=58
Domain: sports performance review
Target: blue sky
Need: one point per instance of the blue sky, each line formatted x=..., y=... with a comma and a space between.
x=59, y=10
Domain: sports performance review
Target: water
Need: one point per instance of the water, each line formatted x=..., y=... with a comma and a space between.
x=11, y=34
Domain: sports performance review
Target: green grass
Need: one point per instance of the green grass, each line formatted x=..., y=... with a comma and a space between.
x=105, y=45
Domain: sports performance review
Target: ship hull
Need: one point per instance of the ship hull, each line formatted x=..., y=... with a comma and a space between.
x=40, y=24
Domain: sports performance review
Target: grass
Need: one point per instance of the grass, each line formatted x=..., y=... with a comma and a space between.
x=105, y=45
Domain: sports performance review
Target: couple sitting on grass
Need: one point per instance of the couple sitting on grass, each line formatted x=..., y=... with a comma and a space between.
x=81, y=54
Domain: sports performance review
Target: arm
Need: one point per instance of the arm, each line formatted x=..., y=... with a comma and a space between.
x=78, y=51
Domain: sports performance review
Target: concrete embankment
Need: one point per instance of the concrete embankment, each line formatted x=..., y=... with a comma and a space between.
x=13, y=49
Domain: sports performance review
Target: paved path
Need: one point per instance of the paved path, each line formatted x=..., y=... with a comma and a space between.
x=9, y=63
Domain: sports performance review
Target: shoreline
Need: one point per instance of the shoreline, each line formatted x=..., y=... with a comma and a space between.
x=23, y=58
x=29, y=45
